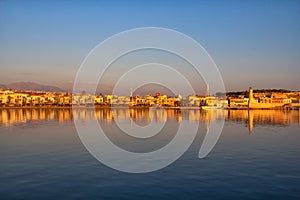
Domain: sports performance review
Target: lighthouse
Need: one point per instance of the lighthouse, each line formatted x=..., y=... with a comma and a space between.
x=130, y=92
x=207, y=90
x=250, y=97
x=131, y=98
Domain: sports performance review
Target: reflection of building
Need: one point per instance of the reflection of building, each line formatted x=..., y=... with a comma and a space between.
x=264, y=117
x=10, y=116
x=250, y=121
x=251, y=118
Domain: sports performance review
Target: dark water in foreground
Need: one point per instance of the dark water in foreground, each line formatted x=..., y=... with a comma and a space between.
x=256, y=157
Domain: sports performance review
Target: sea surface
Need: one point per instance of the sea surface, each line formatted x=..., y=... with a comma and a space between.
x=257, y=155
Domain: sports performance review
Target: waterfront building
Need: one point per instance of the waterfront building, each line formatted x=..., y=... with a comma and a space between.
x=98, y=100
x=238, y=102
x=265, y=102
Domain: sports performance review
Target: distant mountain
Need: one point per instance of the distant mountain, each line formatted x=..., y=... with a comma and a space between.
x=31, y=86
x=2, y=86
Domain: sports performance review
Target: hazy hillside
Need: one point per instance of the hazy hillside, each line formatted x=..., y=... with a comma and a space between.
x=31, y=86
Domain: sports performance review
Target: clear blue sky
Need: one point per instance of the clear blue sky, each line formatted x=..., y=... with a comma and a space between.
x=253, y=43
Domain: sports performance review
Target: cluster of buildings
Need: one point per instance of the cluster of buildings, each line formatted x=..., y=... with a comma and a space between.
x=265, y=100
x=13, y=98
x=30, y=98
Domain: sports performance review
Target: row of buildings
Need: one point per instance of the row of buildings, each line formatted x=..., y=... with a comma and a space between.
x=265, y=100
x=12, y=98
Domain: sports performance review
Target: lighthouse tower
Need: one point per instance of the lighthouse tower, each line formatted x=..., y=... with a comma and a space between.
x=130, y=92
x=207, y=90
x=250, y=97
x=131, y=98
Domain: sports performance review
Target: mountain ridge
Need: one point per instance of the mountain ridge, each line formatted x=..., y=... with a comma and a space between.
x=31, y=86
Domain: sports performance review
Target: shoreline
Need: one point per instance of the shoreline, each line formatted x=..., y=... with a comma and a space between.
x=140, y=107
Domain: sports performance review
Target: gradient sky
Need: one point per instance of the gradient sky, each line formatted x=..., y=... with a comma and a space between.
x=254, y=43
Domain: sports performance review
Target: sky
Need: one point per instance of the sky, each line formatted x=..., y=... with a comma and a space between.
x=253, y=43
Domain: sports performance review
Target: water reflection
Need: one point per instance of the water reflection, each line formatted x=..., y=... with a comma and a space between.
x=12, y=116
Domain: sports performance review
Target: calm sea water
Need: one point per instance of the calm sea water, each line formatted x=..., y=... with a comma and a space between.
x=256, y=157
